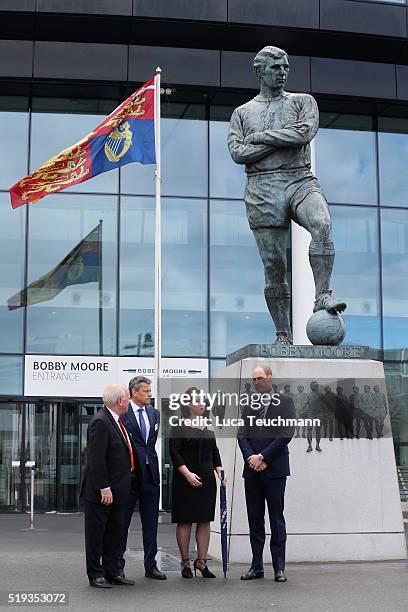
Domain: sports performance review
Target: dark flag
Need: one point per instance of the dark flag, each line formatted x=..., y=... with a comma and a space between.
x=81, y=265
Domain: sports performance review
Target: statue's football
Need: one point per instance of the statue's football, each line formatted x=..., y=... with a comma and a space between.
x=326, y=328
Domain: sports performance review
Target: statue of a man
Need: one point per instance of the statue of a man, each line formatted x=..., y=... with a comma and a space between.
x=270, y=135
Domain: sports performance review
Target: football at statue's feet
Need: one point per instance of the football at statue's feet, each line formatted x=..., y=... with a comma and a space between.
x=326, y=328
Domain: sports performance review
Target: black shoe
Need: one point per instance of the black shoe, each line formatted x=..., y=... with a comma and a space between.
x=100, y=583
x=155, y=573
x=252, y=574
x=186, y=571
x=119, y=580
x=205, y=572
x=280, y=576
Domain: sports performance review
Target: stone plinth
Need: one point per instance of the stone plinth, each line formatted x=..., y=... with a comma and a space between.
x=342, y=503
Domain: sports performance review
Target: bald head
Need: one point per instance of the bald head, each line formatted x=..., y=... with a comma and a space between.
x=116, y=397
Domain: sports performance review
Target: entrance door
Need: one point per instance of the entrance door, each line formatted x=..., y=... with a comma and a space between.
x=11, y=427
x=40, y=446
x=28, y=433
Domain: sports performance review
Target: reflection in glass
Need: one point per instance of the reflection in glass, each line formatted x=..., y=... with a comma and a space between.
x=356, y=272
x=136, y=276
x=11, y=375
x=396, y=375
x=12, y=248
x=69, y=457
x=13, y=157
x=345, y=165
x=216, y=365
x=10, y=450
x=184, y=277
x=238, y=311
x=69, y=323
x=40, y=447
x=53, y=132
x=227, y=179
x=392, y=153
x=394, y=247
x=184, y=162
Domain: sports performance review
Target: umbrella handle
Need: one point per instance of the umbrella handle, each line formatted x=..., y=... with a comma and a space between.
x=222, y=476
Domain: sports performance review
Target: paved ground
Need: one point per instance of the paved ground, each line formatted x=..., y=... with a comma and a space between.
x=53, y=560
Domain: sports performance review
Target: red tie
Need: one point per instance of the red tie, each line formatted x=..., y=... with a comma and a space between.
x=125, y=433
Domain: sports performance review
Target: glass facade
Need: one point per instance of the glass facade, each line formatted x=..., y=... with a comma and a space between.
x=212, y=276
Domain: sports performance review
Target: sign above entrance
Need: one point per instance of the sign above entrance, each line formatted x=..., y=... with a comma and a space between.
x=61, y=376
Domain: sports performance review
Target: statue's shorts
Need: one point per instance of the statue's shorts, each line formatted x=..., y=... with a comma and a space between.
x=272, y=198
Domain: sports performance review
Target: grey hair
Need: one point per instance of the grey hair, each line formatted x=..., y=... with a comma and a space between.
x=265, y=53
x=113, y=393
x=135, y=382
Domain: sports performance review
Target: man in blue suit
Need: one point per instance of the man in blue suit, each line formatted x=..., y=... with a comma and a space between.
x=264, y=448
x=142, y=422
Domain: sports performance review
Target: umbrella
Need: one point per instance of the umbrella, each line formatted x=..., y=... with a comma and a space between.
x=223, y=523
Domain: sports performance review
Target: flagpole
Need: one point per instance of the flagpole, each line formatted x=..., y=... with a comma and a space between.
x=157, y=249
x=100, y=292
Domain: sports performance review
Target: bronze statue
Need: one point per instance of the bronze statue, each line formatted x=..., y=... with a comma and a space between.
x=270, y=135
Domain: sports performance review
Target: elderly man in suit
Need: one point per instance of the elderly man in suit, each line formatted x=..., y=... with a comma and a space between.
x=107, y=480
x=266, y=456
x=142, y=421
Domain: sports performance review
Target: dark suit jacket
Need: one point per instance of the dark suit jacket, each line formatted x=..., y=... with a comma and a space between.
x=108, y=460
x=271, y=442
x=143, y=448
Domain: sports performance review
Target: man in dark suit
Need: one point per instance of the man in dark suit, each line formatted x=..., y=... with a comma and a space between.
x=265, y=451
x=142, y=421
x=107, y=479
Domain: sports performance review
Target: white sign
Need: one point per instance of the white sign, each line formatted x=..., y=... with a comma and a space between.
x=60, y=376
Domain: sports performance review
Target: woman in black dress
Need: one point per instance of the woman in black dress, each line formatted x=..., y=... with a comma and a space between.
x=195, y=457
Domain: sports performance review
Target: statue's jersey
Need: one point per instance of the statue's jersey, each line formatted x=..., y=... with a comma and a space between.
x=282, y=127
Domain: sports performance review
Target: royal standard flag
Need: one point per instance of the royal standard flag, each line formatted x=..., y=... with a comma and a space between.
x=81, y=265
x=126, y=136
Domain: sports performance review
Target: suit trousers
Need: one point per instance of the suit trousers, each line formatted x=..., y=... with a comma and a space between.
x=148, y=495
x=103, y=528
x=259, y=489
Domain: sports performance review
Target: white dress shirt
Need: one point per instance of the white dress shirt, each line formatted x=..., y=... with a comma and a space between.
x=143, y=415
x=135, y=408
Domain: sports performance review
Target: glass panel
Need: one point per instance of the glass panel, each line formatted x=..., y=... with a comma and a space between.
x=10, y=450
x=227, y=179
x=69, y=322
x=40, y=446
x=216, y=365
x=239, y=314
x=87, y=412
x=356, y=272
x=184, y=162
x=346, y=121
x=12, y=249
x=54, y=132
x=396, y=374
x=184, y=277
x=13, y=153
x=11, y=375
x=392, y=154
x=394, y=247
x=69, y=457
x=136, y=276
x=345, y=165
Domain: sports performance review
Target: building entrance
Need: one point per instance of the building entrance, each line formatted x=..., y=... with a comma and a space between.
x=53, y=435
x=28, y=432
